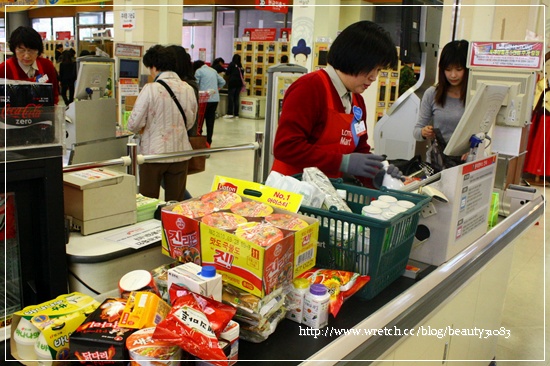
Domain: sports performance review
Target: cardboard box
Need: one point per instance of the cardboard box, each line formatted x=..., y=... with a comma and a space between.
x=101, y=338
x=99, y=199
x=242, y=263
x=28, y=114
x=55, y=320
x=143, y=309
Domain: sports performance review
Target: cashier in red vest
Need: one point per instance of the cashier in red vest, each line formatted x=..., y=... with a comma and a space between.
x=26, y=44
x=323, y=117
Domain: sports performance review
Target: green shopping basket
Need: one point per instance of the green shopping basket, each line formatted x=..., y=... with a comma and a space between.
x=366, y=245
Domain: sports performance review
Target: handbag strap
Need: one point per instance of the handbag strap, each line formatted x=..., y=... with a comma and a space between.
x=173, y=96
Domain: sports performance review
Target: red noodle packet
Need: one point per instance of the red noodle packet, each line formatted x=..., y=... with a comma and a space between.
x=340, y=284
x=194, y=322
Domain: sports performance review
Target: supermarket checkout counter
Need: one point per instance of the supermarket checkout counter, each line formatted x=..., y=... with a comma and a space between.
x=404, y=304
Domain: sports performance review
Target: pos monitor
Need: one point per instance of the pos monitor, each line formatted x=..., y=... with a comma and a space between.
x=94, y=75
x=479, y=116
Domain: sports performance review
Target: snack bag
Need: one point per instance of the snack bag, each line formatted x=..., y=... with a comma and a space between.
x=341, y=284
x=194, y=323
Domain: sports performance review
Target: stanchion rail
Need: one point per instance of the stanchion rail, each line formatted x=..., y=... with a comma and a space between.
x=133, y=159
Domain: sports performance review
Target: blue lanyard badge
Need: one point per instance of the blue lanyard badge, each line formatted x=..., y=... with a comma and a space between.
x=358, y=127
x=42, y=78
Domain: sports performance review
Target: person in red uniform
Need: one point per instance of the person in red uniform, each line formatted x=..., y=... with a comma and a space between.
x=26, y=44
x=322, y=122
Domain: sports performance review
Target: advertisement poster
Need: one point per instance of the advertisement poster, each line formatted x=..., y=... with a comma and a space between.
x=260, y=34
x=61, y=36
x=519, y=55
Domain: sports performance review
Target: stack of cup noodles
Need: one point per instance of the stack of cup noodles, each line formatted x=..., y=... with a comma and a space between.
x=145, y=350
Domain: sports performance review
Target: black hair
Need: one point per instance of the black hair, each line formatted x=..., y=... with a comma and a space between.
x=161, y=58
x=455, y=53
x=361, y=48
x=218, y=60
x=84, y=53
x=66, y=57
x=27, y=37
x=236, y=60
x=184, y=68
x=198, y=64
x=59, y=45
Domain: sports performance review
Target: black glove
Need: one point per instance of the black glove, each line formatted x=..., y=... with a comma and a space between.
x=395, y=172
x=364, y=165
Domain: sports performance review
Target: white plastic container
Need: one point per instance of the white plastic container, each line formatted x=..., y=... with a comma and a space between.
x=381, y=205
x=397, y=209
x=202, y=280
x=404, y=203
x=387, y=198
x=25, y=336
x=316, y=306
x=371, y=211
x=42, y=351
x=295, y=299
x=388, y=215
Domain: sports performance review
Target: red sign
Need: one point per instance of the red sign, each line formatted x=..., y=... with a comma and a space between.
x=43, y=35
x=479, y=164
x=61, y=36
x=261, y=34
x=502, y=54
x=277, y=6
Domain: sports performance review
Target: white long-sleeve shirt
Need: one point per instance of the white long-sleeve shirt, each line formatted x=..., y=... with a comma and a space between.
x=154, y=112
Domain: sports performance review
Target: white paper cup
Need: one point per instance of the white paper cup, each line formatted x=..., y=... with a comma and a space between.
x=381, y=205
x=404, y=203
x=387, y=198
x=371, y=211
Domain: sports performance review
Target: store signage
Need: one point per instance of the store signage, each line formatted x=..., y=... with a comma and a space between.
x=128, y=87
x=137, y=236
x=501, y=54
x=127, y=20
x=128, y=50
x=260, y=34
x=61, y=36
x=277, y=6
x=43, y=35
x=21, y=5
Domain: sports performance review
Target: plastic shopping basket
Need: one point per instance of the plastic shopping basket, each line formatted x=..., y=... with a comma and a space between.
x=204, y=95
x=369, y=246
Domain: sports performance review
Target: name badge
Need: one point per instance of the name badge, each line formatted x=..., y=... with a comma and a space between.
x=360, y=128
x=42, y=78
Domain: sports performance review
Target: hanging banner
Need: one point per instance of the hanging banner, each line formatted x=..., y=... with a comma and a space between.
x=22, y=5
x=72, y=2
x=518, y=55
x=260, y=34
x=276, y=6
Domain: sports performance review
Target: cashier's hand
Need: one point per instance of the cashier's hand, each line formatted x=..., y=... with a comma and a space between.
x=362, y=165
x=428, y=132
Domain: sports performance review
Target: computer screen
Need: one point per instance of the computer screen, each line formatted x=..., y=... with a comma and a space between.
x=517, y=106
x=479, y=116
x=92, y=75
x=128, y=68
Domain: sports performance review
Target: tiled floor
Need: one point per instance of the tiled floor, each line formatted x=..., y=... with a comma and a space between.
x=524, y=307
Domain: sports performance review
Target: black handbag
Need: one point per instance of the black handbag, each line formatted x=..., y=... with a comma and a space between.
x=196, y=164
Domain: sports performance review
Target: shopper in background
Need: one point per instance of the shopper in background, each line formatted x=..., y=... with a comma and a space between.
x=217, y=65
x=67, y=76
x=162, y=126
x=209, y=80
x=235, y=85
x=322, y=122
x=84, y=53
x=58, y=51
x=442, y=105
x=184, y=68
x=28, y=64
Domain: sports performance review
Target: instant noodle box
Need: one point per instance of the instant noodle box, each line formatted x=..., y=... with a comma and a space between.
x=254, y=244
x=52, y=321
x=100, y=337
x=143, y=309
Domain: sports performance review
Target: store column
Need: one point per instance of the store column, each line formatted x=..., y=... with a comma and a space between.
x=313, y=21
x=158, y=23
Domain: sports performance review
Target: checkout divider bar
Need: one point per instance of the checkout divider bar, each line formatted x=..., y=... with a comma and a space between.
x=134, y=159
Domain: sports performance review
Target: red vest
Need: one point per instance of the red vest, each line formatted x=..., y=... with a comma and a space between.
x=338, y=124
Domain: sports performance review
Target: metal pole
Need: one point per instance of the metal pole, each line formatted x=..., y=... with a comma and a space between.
x=131, y=150
x=258, y=169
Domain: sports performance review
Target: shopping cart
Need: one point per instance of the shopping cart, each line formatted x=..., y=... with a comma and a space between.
x=365, y=245
x=204, y=95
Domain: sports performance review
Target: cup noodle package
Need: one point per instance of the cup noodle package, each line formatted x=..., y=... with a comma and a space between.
x=52, y=323
x=246, y=230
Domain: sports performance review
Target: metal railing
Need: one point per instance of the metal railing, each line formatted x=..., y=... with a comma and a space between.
x=133, y=159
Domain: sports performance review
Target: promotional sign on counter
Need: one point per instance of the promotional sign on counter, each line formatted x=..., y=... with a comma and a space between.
x=455, y=224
